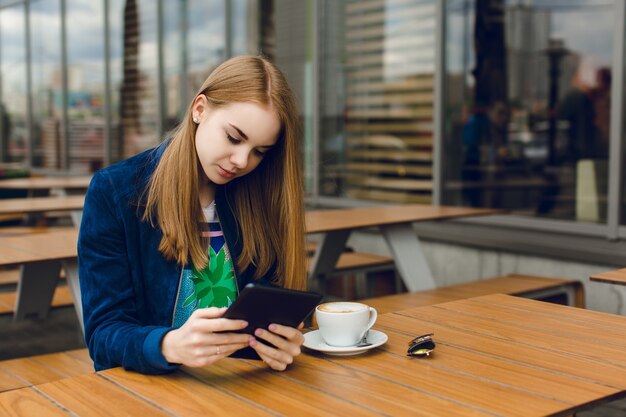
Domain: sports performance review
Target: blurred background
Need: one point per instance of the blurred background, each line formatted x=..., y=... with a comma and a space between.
x=513, y=104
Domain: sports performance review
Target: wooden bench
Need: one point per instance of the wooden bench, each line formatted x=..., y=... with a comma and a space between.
x=38, y=210
x=528, y=286
x=40, y=369
x=40, y=253
x=360, y=264
x=62, y=298
x=9, y=277
x=617, y=277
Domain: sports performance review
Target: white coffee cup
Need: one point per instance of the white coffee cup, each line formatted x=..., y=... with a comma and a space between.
x=344, y=323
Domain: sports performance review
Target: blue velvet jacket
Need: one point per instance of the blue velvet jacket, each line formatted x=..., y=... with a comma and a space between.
x=128, y=288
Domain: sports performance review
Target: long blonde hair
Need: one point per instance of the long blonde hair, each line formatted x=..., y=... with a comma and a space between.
x=267, y=202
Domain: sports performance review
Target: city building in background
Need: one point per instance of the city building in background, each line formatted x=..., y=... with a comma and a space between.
x=485, y=103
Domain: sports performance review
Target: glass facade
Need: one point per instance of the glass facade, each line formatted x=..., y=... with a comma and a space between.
x=527, y=106
x=526, y=95
x=85, y=85
x=134, y=76
x=46, y=84
x=376, y=100
x=13, y=99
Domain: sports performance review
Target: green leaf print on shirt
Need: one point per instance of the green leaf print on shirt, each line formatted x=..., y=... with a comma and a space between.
x=214, y=286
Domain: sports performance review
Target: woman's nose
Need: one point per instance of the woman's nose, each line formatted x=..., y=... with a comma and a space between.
x=240, y=159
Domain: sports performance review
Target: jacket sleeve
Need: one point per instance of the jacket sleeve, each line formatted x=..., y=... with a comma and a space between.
x=113, y=331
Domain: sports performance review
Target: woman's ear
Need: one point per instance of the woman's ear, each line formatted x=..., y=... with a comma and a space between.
x=200, y=108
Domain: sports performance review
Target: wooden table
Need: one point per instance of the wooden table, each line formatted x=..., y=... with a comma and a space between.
x=40, y=257
x=43, y=254
x=497, y=355
x=395, y=224
x=43, y=186
x=617, y=277
x=46, y=183
x=41, y=205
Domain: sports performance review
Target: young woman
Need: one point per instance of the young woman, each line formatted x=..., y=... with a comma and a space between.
x=169, y=236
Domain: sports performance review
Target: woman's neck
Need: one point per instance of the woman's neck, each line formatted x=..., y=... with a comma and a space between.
x=206, y=192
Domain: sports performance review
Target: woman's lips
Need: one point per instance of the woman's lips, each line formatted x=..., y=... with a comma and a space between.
x=224, y=173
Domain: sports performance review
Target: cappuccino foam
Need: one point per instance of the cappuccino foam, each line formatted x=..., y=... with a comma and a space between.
x=342, y=307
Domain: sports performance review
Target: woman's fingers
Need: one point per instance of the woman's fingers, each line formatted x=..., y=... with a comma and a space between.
x=208, y=320
x=286, y=342
x=208, y=355
x=274, y=358
x=204, y=338
x=228, y=349
x=209, y=313
x=289, y=333
x=282, y=344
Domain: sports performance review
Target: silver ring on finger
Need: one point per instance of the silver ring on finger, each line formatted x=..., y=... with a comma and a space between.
x=218, y=350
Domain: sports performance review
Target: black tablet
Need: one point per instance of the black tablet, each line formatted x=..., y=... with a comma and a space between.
x=262, y=305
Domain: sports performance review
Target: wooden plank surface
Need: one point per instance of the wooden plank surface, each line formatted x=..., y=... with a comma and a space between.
x=9, y=276
x=510, y=284
x=9, y=381
x=336, y=379
x=41, y=204
x=40, y=369
x=29, y=371
x=259, y=385
x=617, y=277
x=474, y=371
x=29, y=230
x=327, y=220
x=496, y=355
x=55, y=245
x=184, y=395
x=62, y=297
x=552, y=338
x=44, y=183
x=558, y=345
x=27, y=402
x=25, y=372
x=93, y=395
x=61, y=243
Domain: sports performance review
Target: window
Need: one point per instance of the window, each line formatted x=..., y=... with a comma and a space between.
x=206, y=40
x=85, y=89
x=287, y=40
x=527, y=106
x=376, y=100
x=45, y=39
x=13, y=108
x=133, y=64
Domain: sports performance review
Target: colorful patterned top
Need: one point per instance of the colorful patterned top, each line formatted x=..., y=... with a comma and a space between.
x=215, y=285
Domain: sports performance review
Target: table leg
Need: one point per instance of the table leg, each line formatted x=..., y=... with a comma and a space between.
x=76, y=215
x=35, y=289
x=71, y=275
x=409, y=256
x=329, y=250
x=36, y=218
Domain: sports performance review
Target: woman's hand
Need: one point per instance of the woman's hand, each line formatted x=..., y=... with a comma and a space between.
x=287, y=341
x=196, y=342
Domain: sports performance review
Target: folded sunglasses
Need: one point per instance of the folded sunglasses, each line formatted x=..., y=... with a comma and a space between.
x=421, y=345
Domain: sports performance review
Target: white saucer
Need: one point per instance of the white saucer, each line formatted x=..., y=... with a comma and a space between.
x=313, y=340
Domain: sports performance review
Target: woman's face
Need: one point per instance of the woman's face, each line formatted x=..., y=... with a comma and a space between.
x=231, y=141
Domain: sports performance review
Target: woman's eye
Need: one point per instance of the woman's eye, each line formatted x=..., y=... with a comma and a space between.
x=232, y=139
x=259, y=153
